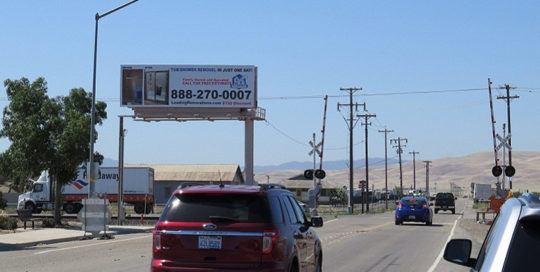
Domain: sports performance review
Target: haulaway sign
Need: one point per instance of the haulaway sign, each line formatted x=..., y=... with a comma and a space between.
x=201, y=86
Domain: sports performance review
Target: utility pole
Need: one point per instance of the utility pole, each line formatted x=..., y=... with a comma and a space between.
x=399, y=151
x=366, y=116
x=414, y=167
x=351, y=126
x=386, y=165
x=504, y=161
x=427, y=178
x=508, y=98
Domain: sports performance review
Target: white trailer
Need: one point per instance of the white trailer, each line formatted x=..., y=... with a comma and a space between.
x=481, y=192
x=138, y=190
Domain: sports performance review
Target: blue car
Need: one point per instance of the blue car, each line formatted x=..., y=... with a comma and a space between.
x=414, y=209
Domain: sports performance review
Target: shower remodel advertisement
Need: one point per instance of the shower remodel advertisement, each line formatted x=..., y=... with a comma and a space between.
x=214, y=86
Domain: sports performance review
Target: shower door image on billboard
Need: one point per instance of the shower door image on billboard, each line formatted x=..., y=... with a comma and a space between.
x=156, y=87
x=132, y=86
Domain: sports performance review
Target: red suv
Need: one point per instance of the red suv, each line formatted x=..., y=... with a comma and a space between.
x=235, y=227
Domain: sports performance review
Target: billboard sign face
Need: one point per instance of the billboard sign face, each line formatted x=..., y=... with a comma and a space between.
x=201, y=86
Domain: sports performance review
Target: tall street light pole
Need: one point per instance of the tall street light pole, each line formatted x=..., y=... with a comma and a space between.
x=91, y=187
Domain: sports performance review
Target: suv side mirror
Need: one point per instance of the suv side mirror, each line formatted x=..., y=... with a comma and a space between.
x=459, y=251
x=316, y=221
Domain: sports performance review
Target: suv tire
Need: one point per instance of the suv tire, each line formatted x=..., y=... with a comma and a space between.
x=319, y=263
x=436, y=211
x=453, y=211
x=398, y=222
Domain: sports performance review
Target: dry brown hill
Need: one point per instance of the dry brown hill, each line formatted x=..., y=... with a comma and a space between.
x=460, y=170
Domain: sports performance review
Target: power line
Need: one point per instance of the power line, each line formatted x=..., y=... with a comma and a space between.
x=285, y=134
x=375, y=93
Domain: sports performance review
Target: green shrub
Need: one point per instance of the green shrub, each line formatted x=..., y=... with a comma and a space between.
x=48, y=223
x=8, y=223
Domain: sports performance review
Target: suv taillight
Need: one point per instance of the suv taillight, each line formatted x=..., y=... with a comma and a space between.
x=424, y=206
x=269, y=239
x=400, y=205
x=157, y=241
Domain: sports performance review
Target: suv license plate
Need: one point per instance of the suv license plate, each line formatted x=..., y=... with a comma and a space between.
x=210, y=242
x=412, y=217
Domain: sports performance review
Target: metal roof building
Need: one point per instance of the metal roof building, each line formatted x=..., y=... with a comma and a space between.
x=167, y=177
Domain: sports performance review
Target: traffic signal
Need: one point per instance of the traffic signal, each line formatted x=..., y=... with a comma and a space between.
x=308, y=174
x=320, y=174
x=510, y=171
x=496, y=171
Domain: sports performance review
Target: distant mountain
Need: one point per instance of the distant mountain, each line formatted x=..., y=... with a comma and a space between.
x=444, y=173
x=327, y=165
x=109, y=162
x=294, y=165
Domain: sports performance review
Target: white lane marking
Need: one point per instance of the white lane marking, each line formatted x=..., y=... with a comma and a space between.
x=434, y=265
x=82, y=246
x=331, y=221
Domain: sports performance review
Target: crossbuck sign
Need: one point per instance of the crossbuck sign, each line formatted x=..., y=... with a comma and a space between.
x=504, y=141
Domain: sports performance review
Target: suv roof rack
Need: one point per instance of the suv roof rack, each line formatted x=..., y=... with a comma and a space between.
x=268, y=186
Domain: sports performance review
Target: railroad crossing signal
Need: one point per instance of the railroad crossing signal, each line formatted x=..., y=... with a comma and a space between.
x=504, y=141
x=496, y=171
x=315, y=148
x=320, y=174
x=510, y=171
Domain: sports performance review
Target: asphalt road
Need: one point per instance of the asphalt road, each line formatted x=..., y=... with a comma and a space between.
x=374, y=243
x=350, y=243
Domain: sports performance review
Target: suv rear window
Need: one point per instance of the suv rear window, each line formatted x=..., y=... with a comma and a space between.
x=445, y=196
x=226, y=208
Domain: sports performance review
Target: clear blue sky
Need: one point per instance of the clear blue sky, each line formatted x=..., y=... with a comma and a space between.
x=301, y=48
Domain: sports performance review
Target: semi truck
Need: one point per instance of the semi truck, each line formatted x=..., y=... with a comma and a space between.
x=137, y=187
x=481, y=192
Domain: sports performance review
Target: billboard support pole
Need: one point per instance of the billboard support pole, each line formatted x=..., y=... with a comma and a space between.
x=248, y=151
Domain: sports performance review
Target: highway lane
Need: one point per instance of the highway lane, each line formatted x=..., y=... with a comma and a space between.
x=374, y=243
x=350, y=243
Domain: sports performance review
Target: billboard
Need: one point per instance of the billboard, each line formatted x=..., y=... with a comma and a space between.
x=204, y=86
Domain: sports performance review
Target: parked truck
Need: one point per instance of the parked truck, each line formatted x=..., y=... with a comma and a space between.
x=138, y=190
x=481, y=192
